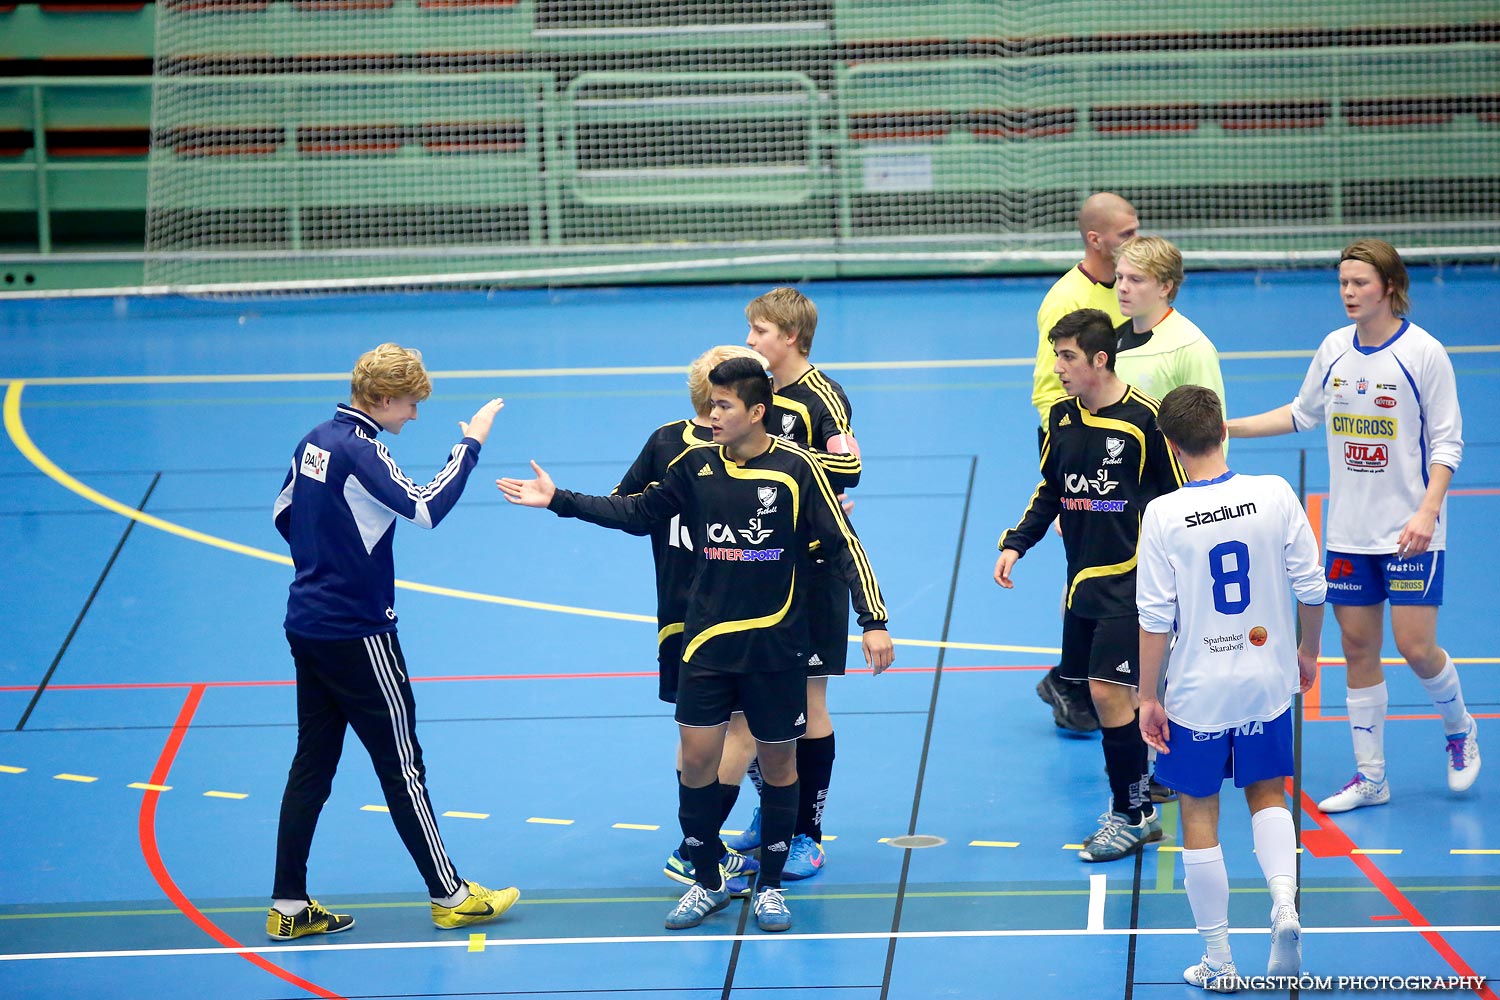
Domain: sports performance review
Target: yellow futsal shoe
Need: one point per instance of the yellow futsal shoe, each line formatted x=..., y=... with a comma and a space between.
x=482, y=904
x=313, y=920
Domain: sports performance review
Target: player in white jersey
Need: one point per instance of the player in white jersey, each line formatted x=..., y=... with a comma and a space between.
x=1214, y=561
x=1385, y=389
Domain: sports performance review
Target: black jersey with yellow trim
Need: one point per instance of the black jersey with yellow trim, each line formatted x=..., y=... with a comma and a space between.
x=810, y=411
x=1099, y=470
x=671, y=541
x=752, y=526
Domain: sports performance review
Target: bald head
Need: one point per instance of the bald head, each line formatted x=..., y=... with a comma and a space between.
x=1105, y=221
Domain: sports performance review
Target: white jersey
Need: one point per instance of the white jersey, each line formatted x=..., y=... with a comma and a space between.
x=1215, y=559
x=1392, y=411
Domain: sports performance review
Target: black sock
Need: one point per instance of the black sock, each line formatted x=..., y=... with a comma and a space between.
x=753, y=773
x=1125, y=762
x=778, y=817
x=728, y=796
x=697, y=811
x=814, y=775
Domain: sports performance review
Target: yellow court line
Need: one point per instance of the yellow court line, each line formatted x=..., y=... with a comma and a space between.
x=83, y=778
x=476, y=942
x=636, y=826
x=994, y=843
x=1375, y=850
x=148, y=787
x=1458, y=850
x=375, y=809
x=7, y=769
x=549, y=822
x=225, y=795
x=465, y=815
x=16, y=428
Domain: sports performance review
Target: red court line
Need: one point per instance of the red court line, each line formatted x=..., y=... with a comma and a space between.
x=159, y=870
x=449, y=679
x=1329, y=841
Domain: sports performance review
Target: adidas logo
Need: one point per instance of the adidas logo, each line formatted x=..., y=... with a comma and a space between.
x=707, y=470
x=1123, y=668
x=1066, y=420
x=779, y=847
x=815, y=660
x=801, y=719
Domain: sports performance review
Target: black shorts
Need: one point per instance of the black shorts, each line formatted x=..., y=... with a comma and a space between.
x=668, y=666
x=827, y=622
x=1101, y=649
x=774, y=701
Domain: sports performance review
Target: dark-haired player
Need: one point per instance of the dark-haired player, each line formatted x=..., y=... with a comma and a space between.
x=1103, y=460
x=759, y=504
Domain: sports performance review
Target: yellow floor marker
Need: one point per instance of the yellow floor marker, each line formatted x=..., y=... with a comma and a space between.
x=74, y=777
x=7, y=769
x=148, y=787
x=1376, y=850
x=476, y=942
x=226, y=795
x=550, y=822
x=639, y=826
x=994, y=843
x=374, y=809
x=463, y=815
x=1464, y=850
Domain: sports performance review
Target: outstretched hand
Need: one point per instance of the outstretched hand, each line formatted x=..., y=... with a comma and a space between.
x=536, y=492
x=478, y=426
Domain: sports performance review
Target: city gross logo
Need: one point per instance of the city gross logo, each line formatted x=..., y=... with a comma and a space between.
x=1385, y=402
x=1365, y=456
x=1350, y=425
x=1224, y=513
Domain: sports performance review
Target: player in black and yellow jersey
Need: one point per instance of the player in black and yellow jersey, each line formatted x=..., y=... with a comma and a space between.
x=1103, y=460
x=812, y=410
x=672, y=551
x=759, y=504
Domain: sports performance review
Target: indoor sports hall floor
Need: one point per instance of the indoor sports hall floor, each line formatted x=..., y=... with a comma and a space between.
x=146, y=714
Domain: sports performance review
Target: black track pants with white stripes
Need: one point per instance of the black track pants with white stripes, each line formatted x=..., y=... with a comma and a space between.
x=360, y=683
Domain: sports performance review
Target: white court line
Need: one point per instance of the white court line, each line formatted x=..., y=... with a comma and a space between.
x=499, y=373
x=722, y=938
x=1096, y=903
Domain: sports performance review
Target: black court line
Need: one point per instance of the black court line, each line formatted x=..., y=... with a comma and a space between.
x=734, y=952
x=937, y=680
x=47, y=678
x=1135, y=915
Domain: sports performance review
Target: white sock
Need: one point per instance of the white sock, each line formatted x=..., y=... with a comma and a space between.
x=1448, y=697
x=1367, y=707
x=289, y=907
x=1207, y=883
x=1276, y=850
x=455, y=899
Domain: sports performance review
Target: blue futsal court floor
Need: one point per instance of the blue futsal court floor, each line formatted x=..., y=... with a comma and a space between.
x=147, y=715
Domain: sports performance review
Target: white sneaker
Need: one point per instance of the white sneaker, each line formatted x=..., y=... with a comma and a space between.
x=1463, y=758
x=1224, y=979
x=1286, y=943
x=1359, y=792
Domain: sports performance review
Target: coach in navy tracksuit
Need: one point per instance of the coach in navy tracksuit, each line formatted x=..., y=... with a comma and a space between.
x=338, y=509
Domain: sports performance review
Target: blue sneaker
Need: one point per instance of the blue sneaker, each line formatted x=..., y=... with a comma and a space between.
x=805, y=859
x=737, y=869
x=750, y=839
x=771, y=913
x=696, y=904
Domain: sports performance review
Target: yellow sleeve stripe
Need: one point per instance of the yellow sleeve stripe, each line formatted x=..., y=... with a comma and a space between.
x=861, y=560
x=668, y=631
x=819, y=384
x=1029, y=503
